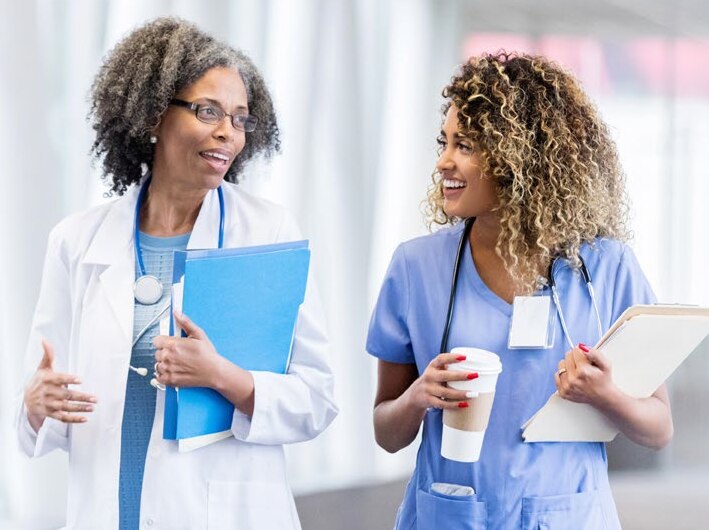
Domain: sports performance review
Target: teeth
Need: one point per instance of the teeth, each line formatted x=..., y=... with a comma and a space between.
x=216, y=155
x=450, y=183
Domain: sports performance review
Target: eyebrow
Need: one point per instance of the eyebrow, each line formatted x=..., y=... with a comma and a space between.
x=457, y=135
x=216, y=103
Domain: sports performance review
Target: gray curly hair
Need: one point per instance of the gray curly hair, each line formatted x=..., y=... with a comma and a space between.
x=142, y=74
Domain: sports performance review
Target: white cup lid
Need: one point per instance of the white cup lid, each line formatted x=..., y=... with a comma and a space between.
x=480, y=361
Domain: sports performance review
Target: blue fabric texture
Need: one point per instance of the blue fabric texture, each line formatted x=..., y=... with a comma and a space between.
x=139, y=410
x=517, y=484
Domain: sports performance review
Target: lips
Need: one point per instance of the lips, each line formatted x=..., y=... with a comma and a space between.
x=449, y=183
x=453, y=188
x=219, y=159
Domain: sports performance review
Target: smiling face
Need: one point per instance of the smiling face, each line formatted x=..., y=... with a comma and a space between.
x=466, y=191
x=194, y=155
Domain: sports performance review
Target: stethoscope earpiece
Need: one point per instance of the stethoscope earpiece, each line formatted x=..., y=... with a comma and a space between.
x=156, y=384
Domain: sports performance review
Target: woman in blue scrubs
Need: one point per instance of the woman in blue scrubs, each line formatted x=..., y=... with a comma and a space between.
x=525, y=158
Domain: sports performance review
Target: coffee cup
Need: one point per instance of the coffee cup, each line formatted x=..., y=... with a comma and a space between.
x=464, y=428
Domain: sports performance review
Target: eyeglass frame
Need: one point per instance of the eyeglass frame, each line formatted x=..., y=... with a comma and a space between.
x=249, y=118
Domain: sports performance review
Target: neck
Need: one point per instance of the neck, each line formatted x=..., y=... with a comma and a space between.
x=485, y=231
x=168, y=209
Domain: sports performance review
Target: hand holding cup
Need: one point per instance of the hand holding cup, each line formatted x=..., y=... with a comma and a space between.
x=431, y=389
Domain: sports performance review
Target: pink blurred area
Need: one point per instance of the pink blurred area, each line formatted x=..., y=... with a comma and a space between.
x=653, y=65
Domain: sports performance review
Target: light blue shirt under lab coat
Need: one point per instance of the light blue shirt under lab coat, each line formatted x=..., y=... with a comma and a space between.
x=527, y=486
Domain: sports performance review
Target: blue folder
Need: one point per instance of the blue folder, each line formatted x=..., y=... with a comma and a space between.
x=247, y=301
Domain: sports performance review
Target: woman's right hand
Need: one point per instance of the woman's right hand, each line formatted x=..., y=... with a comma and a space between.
x=430, y=389
x=47, y=394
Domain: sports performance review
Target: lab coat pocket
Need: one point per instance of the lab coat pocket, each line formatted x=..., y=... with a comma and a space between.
x=435, y=511
x=249, y=506
x=577, y=511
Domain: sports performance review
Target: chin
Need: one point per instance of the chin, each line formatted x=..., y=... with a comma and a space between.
x=213, y=181
x=456, y=211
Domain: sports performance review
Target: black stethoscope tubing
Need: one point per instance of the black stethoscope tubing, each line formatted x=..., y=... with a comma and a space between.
x=552, y=285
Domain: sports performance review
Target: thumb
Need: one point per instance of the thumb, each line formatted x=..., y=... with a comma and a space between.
x=48, y=357
x=193, y=330
x=596, y=357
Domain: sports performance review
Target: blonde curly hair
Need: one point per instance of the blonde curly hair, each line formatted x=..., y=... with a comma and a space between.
x=551, y=156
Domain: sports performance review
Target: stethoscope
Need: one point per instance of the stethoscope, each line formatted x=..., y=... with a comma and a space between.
x=552, y=285
x=148, y=289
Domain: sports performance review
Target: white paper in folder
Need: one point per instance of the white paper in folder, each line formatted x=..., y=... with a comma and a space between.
x=645, y=345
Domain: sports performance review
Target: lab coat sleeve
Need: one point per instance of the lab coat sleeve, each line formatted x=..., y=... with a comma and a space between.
x=52, y=322
x=298, y=405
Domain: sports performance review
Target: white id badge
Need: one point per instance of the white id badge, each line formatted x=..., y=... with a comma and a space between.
x=532, y=325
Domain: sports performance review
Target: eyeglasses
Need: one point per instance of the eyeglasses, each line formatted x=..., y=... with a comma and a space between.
x=212, y=114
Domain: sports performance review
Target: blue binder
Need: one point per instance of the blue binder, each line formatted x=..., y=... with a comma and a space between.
x=247, y=301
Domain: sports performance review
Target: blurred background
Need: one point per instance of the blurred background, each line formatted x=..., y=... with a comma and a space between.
x=357, y=85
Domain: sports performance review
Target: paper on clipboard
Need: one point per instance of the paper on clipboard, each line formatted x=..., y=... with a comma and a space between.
x=645, y=345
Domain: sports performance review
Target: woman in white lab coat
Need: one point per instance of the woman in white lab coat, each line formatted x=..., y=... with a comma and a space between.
x=177, y=114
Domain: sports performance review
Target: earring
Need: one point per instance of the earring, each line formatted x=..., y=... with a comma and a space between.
x=153, y=139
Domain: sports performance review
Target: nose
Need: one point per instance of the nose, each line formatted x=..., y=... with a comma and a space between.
x=224, y=130
x=445, y=161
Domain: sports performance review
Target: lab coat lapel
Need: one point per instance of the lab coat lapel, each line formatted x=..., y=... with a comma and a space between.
x=113, y=246
x=205, y=233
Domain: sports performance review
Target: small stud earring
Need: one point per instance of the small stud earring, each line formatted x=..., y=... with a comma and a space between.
x=153, y=139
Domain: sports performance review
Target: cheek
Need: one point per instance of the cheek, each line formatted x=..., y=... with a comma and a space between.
x=180, y=143
x=240, y=143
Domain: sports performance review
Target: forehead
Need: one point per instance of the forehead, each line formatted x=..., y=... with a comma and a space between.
x=220, y=84
x=450, y=124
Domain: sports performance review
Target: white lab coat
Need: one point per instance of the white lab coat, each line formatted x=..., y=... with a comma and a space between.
x=85, y=310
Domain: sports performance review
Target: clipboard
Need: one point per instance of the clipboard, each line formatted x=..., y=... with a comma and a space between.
x=645, y=346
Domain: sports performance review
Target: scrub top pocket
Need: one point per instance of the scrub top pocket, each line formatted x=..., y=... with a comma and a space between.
x=577, y=511
x=435, y=511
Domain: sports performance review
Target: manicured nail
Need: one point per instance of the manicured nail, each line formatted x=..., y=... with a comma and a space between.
x=463, y=405
x=474, y=375
x=460, y=358
x=584, y=348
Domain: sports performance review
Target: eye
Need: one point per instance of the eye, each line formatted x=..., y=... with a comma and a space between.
x=441, y=141
x=209, y=113
x=465, y=147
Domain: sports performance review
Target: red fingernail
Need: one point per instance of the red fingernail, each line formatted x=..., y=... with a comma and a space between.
x=583, y=347
x=463, y=405
x=460, y=358
x=474, y=375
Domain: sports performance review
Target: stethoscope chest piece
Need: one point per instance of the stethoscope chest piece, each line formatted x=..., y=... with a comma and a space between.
x=147, y=289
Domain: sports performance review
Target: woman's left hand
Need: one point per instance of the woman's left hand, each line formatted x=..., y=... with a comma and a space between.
x=584, y=376
x=186, y=361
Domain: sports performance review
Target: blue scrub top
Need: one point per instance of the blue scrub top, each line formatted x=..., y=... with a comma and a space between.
x=518, y=485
